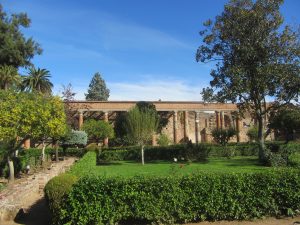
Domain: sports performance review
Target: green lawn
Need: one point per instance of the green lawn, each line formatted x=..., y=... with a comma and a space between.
x=87, y=166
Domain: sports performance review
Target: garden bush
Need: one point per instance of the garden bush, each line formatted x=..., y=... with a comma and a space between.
x=56, y=190
x=74, y=138
x=180, y=199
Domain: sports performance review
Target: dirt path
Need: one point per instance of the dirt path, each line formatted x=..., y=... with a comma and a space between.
x=36, y=213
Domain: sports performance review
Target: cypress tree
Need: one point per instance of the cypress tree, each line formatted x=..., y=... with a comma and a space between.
x=97, y=89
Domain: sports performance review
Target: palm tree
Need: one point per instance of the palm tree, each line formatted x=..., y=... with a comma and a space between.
x=9, y=76
x=37, y=80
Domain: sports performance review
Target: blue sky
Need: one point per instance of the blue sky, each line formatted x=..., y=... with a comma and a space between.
x=145, y=50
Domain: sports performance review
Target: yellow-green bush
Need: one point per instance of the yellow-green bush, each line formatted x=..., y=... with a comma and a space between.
x=56, y=191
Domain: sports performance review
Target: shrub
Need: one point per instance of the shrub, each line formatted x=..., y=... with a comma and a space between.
x=222, y=136
x=55, y=192
x=252, y=133
x=181, y=199
x=163, y=140
x=93, y=147
x=75, y=138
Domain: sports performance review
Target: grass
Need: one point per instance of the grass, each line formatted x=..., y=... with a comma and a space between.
x=87, y=166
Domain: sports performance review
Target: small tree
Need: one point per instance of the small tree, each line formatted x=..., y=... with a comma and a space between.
x=222, y=136
x=98, y=130
x=97, y=89
x=141, y=125
x=27, y=115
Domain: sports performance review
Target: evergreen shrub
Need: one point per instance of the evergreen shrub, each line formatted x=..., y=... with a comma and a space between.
x=180, y=199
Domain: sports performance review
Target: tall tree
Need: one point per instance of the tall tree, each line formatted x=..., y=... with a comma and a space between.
x=97, y=89
x=9, y=77
x=141, y=125
x=15, y=49
x=37, y=80
x=256, y=58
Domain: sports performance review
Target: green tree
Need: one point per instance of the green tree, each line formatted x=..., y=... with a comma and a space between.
x=28, y=115
x=141, y=125
x=286, y=119
x=9, y=77
x=15, y=49
x=256, y=58
x=37, y=81
x=97, y=89
x=98, y=130
x=222, y=136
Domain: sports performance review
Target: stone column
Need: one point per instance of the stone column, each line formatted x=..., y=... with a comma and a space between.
x=238, y=128
x=105, y=141
x=197, y=128
x=218, y=119
x=154, y=142
x=27, y=143
x=80, y=120
x=222, y=121
x=175, y=127
x=186, y=124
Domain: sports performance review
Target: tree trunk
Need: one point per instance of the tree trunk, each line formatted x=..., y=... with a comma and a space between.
x=261, y=139
x=43, y=151
x=11, y=170
x=143, y=161
x=56, y=151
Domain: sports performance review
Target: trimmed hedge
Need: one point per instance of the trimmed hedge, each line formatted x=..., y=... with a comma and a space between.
x=191, y=152
x=55, y=191
x=198, y=197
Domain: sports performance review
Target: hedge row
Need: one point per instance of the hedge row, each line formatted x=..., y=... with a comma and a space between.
x=192, y=152
x=198, y=197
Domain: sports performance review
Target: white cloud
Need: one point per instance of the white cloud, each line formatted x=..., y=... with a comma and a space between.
x=148, y=90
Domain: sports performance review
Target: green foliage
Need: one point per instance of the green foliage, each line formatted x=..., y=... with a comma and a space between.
x=98, y=130
x=37, y=81
x=97, y=89
x=222, y=136
x=56, y=191
x=92, y=147
x=256, y=57
x=16, y=50
x=75, y=138
x=252, y=133
x=282, y=154
x=9, y=77
x=86, y=165
x=287, y=120
x=163, y=140
x=181, y=199
x=29, y=115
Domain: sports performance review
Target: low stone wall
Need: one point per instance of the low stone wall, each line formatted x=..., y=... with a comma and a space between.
x=15, y=197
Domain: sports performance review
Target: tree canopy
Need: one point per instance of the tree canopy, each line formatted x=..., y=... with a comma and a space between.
x=98, y=129
x=97, y=89
x=256, y=57
x=29, y=115
x=15, y=49
x=37, y=81
x=286, y=119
